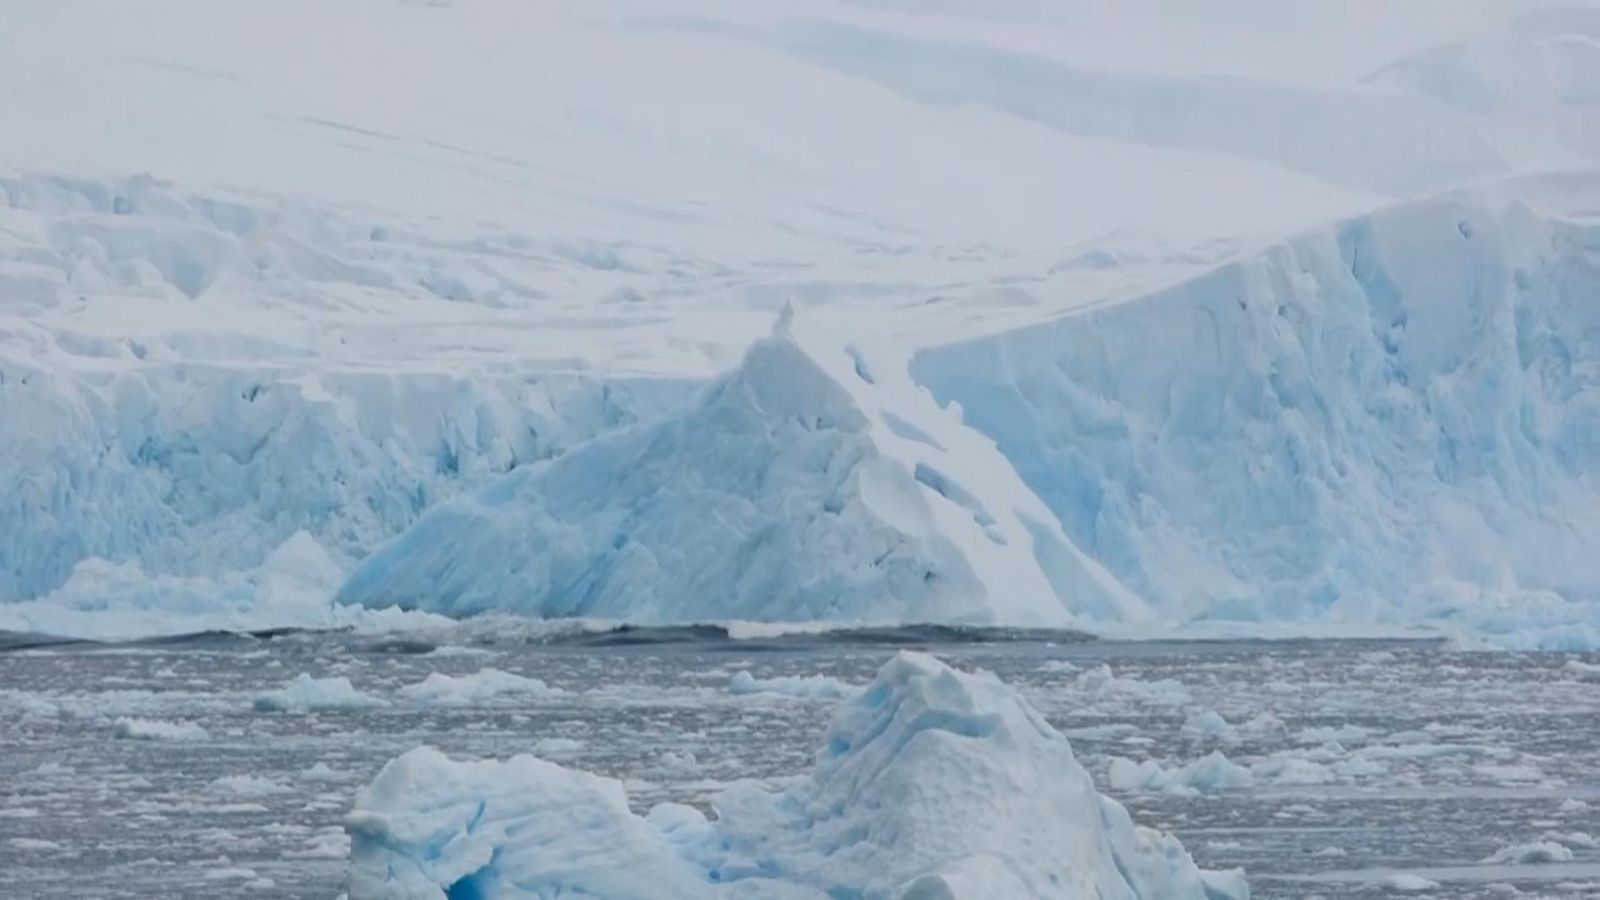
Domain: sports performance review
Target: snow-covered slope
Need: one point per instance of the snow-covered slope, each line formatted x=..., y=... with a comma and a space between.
x=1394, y=419
x=808, y=484
x=930, y=784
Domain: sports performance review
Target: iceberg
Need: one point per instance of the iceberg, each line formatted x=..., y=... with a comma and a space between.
x=808, y=484
x=932, y=784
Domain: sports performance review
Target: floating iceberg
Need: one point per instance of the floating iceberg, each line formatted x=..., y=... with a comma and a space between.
x=809, y=687
x=931, y=784
x=308, y=694
x=807, y=484
x=439, y=689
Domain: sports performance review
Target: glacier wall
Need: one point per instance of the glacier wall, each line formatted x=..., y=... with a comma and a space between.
x=1394, y=419
x=193, y=470
x=189, y=380
x=807, y=484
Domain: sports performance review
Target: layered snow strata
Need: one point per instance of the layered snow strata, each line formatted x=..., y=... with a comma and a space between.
x=1396, y=419
x=813, y=482
x=931, y=784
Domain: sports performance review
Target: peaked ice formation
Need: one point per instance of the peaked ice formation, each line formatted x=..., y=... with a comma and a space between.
x=932, y=784
x=808, y=484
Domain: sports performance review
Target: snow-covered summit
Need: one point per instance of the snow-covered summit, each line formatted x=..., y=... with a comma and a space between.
x=931, y=784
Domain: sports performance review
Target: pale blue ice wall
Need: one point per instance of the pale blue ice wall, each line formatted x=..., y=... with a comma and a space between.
x=1400, y=411
x=197, y=470
x=196, y=447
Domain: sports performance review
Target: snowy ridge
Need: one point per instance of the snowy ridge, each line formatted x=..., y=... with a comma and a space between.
x=931, y=784
x=1391, y=420
x=808, y=484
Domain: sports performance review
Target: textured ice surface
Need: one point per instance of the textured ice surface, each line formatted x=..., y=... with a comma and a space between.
x=484, y=685
x=805, y=485
x=930, y=784
x=1391, y=420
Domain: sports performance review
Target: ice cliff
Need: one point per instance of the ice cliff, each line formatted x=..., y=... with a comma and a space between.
x=930, y=784
x=1396, y=419
x=807, y=484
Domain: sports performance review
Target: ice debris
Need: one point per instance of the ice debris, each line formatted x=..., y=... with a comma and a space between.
x=308, y=694
x=157, y=730
x=439, y=689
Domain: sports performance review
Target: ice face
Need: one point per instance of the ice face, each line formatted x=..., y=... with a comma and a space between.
x=805, y=485
x=931, y=783
x=1390, y=420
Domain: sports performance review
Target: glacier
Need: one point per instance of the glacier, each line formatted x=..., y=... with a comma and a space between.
x=1393, y=419
x=806, y=485
x=931, y=783
x=247, y=367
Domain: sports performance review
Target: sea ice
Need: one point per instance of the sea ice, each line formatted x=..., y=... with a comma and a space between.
x=1210, y=773
x=814, y=687
x=158, y=730
x=308, y=694
x=1534, y=852
x=1407, y=882
x=439, y=689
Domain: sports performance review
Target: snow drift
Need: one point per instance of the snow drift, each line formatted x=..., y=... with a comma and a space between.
x=930, y=784
x=802, y=486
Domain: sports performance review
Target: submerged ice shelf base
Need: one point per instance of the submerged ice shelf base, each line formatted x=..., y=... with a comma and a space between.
x=931, y=785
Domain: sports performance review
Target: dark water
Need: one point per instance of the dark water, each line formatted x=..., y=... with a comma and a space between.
x=146, y=770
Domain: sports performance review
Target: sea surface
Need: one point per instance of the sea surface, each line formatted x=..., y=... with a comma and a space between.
x=154, y=769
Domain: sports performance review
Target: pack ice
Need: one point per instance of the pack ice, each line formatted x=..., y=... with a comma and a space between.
x=931, y=783
x=1393, y=419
